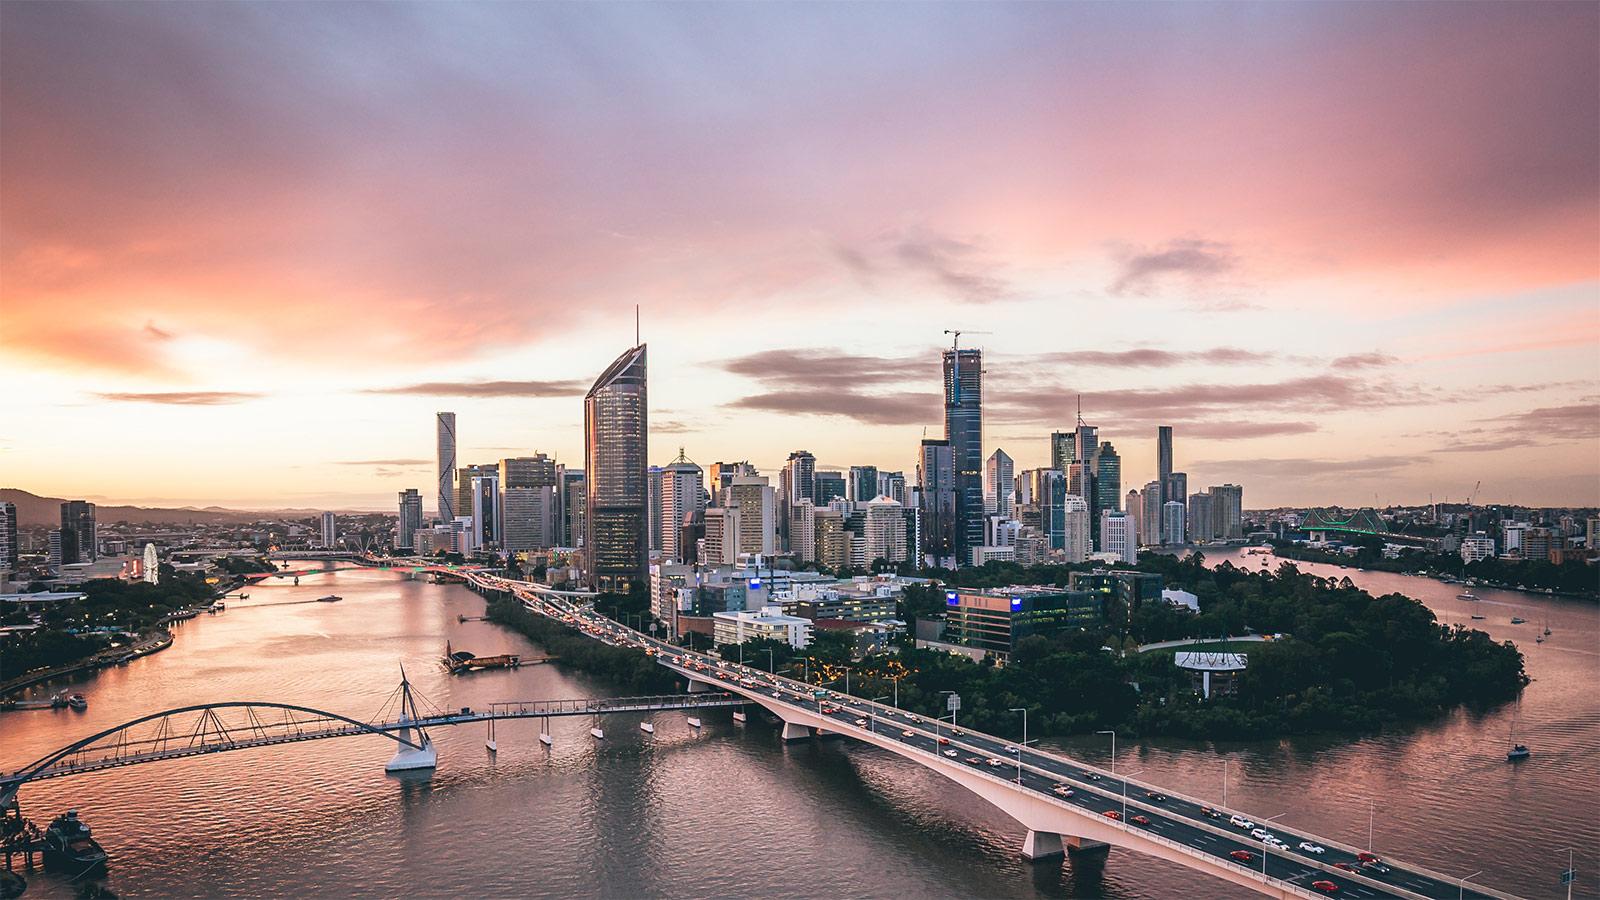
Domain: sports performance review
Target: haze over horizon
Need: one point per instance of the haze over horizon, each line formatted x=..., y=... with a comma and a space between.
x=1350, y=252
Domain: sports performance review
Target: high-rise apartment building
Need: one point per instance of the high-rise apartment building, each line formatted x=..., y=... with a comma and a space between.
x=1076, y=546
x=570, y=504
x=937, y=511
x=653, y=477
x=799, y=481
x=1172, y=524
x=410, y=518
x=1200, y=518
x=488, y=520
x=9, y=549
x=446, y=426
x=1176, y=488
x=803, y=531
x=1151, y=511
x=1227, y=508
x=885, y=531
x=1163, y=459
x=78, y=532
x=832, y=541
x=682, y=495
x=963, y=429
x=1134, y=506
x=616, y=446
x=999, y=484
x=862, y=484
x=330, y=531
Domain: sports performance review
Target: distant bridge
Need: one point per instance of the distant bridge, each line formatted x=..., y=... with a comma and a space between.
x=1362, y=521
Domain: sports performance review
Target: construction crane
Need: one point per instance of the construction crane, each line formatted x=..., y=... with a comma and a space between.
x=1474, y=495
x=955, y=343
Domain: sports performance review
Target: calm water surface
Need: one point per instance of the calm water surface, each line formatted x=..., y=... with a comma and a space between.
x=731, y=811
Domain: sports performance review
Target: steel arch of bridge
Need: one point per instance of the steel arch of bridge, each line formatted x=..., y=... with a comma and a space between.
x=10, y=784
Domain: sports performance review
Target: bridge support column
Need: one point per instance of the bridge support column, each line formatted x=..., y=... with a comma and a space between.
x=408, y=758
x=795, y=732
x=698, y=687
x=1042, y=845
x=1087, y=853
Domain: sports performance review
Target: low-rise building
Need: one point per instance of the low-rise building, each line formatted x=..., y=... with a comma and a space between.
x=767, y=623
x=994, y=620
x=1212, y=673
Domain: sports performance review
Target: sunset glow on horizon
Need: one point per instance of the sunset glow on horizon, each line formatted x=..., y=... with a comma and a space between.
x=1351, y=252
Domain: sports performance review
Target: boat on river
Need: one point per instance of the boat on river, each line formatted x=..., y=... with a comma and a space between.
x=1466, y=595
x=331, y=598
x=68, y=847
x=1476, y=616
x=1517, y=620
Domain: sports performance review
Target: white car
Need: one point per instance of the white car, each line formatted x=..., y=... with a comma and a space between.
x=861, y=723
x=995, y=763
x=1063, y=791
x=1260, y=834
x=1240, y=822
x=1309, y=847
x=1010, y=749
x=951, y=753
x=908, y=733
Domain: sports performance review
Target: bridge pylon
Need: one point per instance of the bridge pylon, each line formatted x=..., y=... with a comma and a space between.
x=424, y=755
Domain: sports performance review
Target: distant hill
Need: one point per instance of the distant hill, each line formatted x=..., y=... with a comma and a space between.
x=35, y=510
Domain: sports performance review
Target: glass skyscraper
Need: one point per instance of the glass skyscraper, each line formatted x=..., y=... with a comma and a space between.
x=937, y=498
x=1164, y=459
x=615, y=446
x=963, y=428
x=447, y=467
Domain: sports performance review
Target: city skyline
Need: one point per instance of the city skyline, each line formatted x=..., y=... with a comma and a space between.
x=1419, y=317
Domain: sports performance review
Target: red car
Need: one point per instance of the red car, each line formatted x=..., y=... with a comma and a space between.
x=944, y=740
x=1364, y=857
x=1139, y=820
x=1345, y=866
x=1113, y=815
x=1327, y=887
x=1242, y=855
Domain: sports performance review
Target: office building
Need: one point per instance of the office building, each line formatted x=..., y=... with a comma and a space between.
x=446, y=427
x=1176, y=487
x=893, y=486
x=1117, y=536
x=799, y=479
x=1063, y=449
x=999, y=484
x=829, y=486
x=330, y=531
x=752, y=498
x=570, y=494
x=652, y=479
x=1107, y=480
x=682, y=496
x=832, y=541
x=78, y=532
x=803, y=532
x=464, y=476
x=533, y=471
x=1163, y=460
x=1172, y=523
x=1133, y=504
x=720, y=474
x=861, y=485
x=996, y=619
x=9, y=548
x=937, y=505
x=488, y=521
x=1076, y=545
x=1115, y=587
x=616, y=447
x=410, y=518
x=885, y=531
x=529, y=518
x=1050, y=499
x=963, y=430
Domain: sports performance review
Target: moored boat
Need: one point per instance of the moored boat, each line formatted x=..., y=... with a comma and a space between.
x=68, y=846
x=1466, y=595
x=331, y=598
x=1517, y=620
x=78, y=701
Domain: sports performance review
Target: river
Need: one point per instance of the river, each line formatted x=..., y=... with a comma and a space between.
x=730, y=811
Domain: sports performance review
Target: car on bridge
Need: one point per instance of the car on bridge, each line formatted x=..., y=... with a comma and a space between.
x=1309, y=847
x=1155, y=796
x=1241, y=822
x=1327, y=887
x=1242, y=855
x=861, y=723
x=951, y=753
x=1140, y=820
x=1113, y=815
x=1062, y=790
x=996, y=763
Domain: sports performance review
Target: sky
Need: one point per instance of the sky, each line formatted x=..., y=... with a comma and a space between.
x=1350, y=252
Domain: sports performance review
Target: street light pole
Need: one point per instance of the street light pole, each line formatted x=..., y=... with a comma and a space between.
x=1114, y=750
x=872, y=714
x=1125, y=794
x=1461, y=889
x=1225, y=783
x=1372, y=809
x=772, y=667
x=1264, y=843
x=1024, y=745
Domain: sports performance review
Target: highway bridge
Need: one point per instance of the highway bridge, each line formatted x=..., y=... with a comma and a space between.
x=1065, y=805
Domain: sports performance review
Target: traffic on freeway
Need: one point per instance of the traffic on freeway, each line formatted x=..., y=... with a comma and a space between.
x=1310, y=863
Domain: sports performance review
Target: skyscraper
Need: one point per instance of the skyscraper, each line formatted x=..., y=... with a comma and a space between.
x=1116, y=536
x=653, y=479
x=755, y=502
x=1176, y=488
x=885, y=531
x=1077, y=546
x=1172, y=513
x=77, y=532
x=999, y=485
x=1227, y=511
x=1163, y=459
x=1200, y=518
x=533, y=471
x=963, y=428
x=937, y=496
x=447, y=466
x=1107, y=479
x=1150, y=516
x=410, y=518
x=615, y=446
x=800, y=477
x=8, y=537
x=1050, y=495
x=893, y=486
x=1063, y=449
x=828, y=487
x=330, y=531
x=682, y=495
x=528, y=518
